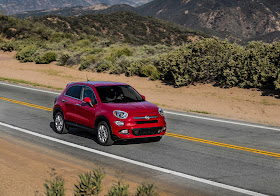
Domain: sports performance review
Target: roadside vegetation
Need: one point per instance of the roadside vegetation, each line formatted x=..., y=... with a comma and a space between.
x=125, y=43
x=90, y=184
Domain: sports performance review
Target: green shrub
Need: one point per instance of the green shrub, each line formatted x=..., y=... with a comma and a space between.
x=54, y=187
x=83, y=43
x=103, y=66
x=7, y=47
x=74, y=60
x=87, y=61
x=90, y=183
x=134, y=68
x=62, y=60
x=119, y=52
x=118, y=190
x=26, y=54
x=124, y=51
x=146, y=190
x=46, y=58
x=120, y=65
x=150, y=71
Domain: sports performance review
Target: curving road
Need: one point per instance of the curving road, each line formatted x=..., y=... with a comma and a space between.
x=207, y=156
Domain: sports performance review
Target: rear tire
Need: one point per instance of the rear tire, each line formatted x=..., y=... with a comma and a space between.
x=59, y=123
x=104, y=134
x=155, y=139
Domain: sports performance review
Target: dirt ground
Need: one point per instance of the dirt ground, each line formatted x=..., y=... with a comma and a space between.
x=24, y=168
x=234, y=103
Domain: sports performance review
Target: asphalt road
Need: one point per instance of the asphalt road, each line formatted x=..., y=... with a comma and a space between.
x=199, y=154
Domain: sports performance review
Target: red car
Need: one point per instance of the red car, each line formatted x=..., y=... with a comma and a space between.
x=114, y=111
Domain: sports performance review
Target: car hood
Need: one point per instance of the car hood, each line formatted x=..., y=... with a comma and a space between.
x=136, y=107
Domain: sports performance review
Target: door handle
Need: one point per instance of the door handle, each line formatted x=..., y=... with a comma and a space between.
x=78, y=104
x=64, y=100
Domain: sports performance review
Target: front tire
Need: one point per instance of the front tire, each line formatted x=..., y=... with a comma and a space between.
x=59, y=123
x=104, y=134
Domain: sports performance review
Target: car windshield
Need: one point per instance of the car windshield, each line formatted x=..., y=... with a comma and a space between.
x=118, y=94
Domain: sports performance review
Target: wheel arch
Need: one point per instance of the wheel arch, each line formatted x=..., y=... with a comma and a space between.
x=102, y=118
x=57, y=109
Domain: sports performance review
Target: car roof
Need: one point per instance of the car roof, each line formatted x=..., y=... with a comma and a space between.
x=100, y=83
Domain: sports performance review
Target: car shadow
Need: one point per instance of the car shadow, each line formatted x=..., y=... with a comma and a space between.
x=92, y=136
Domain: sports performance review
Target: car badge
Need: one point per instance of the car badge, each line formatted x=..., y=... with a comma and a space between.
x=147, y=117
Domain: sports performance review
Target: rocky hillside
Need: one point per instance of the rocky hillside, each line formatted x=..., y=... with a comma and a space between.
x=18, y=6
x=236, y=20
x=244, y=19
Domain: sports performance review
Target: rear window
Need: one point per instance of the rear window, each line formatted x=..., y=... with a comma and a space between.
x=74, y=91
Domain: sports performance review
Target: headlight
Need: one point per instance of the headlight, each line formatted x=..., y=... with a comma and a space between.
x=120, y=114
x=160, y=111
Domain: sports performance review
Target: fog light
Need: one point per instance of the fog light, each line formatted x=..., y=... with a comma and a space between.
x=164, y=129
x=119, y=123
x=125, y=131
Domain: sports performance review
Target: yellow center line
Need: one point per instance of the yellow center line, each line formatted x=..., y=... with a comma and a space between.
x=224, y=145
x=27, y=104
x=272, y=154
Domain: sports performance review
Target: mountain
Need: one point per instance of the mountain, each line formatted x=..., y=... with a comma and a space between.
x=239, y=19
x=10, y=7
x=79, y=10
x=121, y=26
x=236, y=20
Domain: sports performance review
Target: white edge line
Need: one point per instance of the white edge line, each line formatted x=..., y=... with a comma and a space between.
x=28, y=88
x=209, y=182
x=168, y=112
x=223, y=121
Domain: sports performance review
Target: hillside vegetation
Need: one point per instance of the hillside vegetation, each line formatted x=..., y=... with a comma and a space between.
x=134, y=45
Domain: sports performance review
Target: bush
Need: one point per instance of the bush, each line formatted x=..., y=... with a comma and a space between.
x=118, y=190
x=146, y=190
x=54, y=187
x=87, y=62
x=120, y=65
x=7, y=47
x=202, y=61
x=74, y=60
x=119, y=52
x=103, y=66
x=90, y=183
x=150, y=71
x=63, y=59
x=46, y=58
x=83, y=43
x=124, y=51
x=26, y=54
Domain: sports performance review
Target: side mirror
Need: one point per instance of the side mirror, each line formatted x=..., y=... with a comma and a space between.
x=143, y=97
x=87, y=100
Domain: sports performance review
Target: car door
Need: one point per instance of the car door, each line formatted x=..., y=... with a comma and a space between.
x=85, y=112
x=71, y=99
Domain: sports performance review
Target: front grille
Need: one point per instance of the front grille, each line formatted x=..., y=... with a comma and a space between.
x=146, y=131
x=145, y=117
x=146, y=122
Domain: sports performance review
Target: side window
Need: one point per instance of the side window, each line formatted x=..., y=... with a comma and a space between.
x=88, y=92
x=74, y=91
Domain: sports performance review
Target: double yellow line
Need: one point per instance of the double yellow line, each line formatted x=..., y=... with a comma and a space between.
x=27, y=104
x=272, y=154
